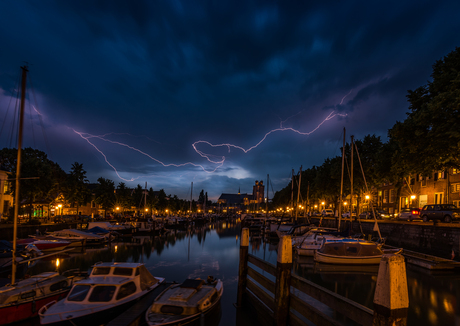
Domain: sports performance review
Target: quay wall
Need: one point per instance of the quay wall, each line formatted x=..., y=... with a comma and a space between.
x=438, y=239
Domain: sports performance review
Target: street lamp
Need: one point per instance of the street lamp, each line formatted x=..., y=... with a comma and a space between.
x=60, y=209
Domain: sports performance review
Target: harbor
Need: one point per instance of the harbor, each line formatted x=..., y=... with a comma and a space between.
x=214, y=250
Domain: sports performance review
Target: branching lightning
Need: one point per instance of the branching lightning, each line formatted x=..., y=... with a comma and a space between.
x=219, y=161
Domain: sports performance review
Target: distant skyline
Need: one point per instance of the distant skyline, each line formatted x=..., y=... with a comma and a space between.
x=144, y=91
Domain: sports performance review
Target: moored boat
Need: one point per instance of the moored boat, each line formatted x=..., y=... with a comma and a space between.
x=23, y=299
x=46, y=245
x=185, y=304
x=313, y=240
x=78, y=236
x=107, y=292
x=351, y=252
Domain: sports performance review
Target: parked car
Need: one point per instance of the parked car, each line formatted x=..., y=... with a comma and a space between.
x=384, y=215
x=347, y=215
x=367, y=215
x=441, y=212
x=315, y=214
x=410, y=214
x=327, y=212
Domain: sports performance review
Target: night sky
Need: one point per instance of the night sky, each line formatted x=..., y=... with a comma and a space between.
x=152, y=78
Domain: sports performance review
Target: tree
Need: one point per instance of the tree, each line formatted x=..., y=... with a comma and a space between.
x=429, y=138
x=77, y=186
x=152, y=200
x=162, y=200
x=105, y=194
x=40, y=177
x=201, y=199
x=123, y=195
x=138, y=197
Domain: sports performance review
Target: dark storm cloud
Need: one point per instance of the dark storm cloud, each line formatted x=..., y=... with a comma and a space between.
x=223, y=71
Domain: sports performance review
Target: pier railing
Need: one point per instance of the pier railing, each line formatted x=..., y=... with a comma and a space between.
x=284, y=299
x=350, y=309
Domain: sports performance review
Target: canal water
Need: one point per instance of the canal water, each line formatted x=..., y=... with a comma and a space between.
x=214, y=250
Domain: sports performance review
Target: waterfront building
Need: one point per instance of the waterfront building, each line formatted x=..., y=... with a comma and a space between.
x=242, y=202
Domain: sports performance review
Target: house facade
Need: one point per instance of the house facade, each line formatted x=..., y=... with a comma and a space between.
x=440, y=187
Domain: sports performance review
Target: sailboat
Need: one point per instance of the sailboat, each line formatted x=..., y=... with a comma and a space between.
x=349, y=251
x=22, y=300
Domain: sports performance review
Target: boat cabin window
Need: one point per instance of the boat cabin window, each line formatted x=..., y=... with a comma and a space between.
x=101, y=270
x=58, y=286
x=174, y=310
x=126, y=289
x=78, y=293
x=102, y=293
x=27, y=295
x=124, y=271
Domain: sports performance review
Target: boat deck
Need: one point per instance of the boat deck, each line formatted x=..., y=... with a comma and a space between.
x=136, y=314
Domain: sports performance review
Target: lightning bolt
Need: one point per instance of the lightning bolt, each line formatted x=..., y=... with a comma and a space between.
x=218, y=161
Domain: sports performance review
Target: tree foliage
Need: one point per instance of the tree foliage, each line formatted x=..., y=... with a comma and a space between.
x=76, y=186
x=105, y=194
x=429, y=138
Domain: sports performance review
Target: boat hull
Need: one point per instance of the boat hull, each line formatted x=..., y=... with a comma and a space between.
x=100, y=317
x=347, y=260
x=25, y=310
x=210, y=318
x=307, y=251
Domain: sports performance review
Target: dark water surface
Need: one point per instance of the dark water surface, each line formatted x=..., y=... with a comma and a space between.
x=214, y=250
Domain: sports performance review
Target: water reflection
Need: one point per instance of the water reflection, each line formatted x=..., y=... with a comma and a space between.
x=214, y=250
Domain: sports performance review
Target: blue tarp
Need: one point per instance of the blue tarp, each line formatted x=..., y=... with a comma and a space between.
x=98, y=230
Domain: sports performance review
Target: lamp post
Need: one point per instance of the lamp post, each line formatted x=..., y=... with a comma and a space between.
x=60, y=210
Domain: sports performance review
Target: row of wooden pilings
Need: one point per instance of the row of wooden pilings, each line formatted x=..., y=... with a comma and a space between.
x=391, y=300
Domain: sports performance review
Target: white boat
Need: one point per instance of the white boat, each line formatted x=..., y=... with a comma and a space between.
x=193, y=301
x=79, y=236
x=313, y=240
x=26, y=297
x=351, y=252
x=106, y=293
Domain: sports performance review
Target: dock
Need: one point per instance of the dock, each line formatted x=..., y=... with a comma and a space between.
x=428, y=261
x=280, y=298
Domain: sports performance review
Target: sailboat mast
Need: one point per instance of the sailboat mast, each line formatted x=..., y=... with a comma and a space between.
x=298, y=193
x=351, y=178
x=18, y=173
x=145, y=198
x=266, y=206
x=341, y=181
x=292, y=191
x=191, y=195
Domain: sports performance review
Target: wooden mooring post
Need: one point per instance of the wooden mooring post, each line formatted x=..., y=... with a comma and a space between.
x=276, y=303
x=391, y=298
x=243, y=266
x=283, y=281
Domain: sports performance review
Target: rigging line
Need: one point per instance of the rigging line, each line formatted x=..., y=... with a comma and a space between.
x=367, y=189
x=9, y=105
x=32, y=124
x=15, y=115
x=48, y=148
